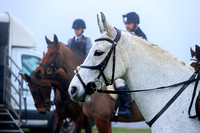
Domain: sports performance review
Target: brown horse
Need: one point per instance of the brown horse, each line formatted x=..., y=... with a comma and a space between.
x=64, y=106
x=101, y=106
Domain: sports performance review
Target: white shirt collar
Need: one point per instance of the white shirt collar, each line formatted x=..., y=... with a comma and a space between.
x=78, y=37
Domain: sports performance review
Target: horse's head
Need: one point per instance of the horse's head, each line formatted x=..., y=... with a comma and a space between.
x=195, y=61
x=40, y=91
x=51, y=60
x=105, y=63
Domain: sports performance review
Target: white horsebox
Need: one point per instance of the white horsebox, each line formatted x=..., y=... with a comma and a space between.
x=18, y=55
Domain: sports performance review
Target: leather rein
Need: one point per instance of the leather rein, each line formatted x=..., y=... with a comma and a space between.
x=90, y=87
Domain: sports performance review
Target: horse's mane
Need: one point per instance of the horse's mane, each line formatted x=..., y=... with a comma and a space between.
x=156, y=47
x=74, y=50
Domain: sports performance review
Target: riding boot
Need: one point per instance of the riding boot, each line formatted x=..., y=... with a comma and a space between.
x=125, y=99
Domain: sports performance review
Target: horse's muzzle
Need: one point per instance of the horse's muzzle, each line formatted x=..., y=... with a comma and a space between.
x=76, y=94
x=74, y=91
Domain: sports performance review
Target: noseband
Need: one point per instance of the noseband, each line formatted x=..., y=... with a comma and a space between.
x=89, y=88
x=51, y=67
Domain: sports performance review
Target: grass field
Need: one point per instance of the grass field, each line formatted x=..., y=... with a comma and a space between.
x=122, y=130
x=114, y=130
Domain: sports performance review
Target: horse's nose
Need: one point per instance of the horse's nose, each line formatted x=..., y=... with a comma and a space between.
x=74, y=91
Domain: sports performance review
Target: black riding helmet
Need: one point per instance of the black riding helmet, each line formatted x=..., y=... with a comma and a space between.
x=131, y=17
x=78, y=24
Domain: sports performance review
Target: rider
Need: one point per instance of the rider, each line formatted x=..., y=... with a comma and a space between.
x=79, y=42
x=131, y=21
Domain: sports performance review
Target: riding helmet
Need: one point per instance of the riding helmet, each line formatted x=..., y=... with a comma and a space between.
x=78, y=24
x=131, y=17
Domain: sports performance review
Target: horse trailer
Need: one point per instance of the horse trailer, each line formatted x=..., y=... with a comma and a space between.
x=18, y=55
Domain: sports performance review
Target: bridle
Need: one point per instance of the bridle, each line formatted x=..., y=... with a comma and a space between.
x=90, y=88
x=49, y=69
x=39, y=93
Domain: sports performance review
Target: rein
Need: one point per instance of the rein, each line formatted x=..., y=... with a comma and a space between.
x=143, y=90
x=150, y=123
x=185, y=85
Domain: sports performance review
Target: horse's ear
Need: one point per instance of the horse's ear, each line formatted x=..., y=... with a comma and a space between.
x=197, y=52
x=111, y=32
x=47, y=40
x=26, y=77
x=101, y=28
x=197, y=48
x=193, y=53
x=55, y=39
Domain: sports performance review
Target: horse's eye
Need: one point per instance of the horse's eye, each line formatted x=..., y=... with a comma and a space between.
x=98, y=53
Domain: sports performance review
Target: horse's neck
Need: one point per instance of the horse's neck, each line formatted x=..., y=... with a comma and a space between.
x=151, y=67
x=71, y=59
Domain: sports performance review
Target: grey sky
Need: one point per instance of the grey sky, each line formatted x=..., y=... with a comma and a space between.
x=174, y=25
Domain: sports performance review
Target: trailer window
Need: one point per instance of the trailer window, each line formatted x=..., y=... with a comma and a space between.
x=29, y=63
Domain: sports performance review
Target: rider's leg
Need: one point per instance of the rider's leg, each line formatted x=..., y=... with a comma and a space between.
x=125, y=99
